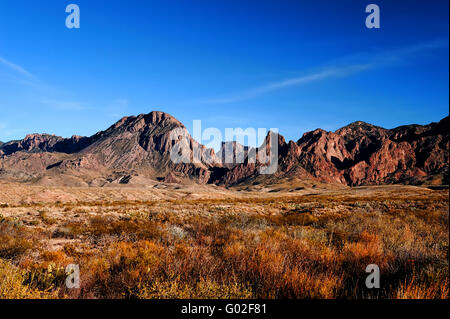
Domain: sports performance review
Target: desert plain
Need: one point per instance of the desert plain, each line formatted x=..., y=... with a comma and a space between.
x=287, y=240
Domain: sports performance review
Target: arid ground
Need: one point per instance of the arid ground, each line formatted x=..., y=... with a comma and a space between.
x=174, y=241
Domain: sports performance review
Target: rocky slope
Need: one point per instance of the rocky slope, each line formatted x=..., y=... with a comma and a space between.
x=360, y=154
x=141, y=146
x=135, y=145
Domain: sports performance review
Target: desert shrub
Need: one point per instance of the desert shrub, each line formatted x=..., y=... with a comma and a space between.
x=45, y=219
x=14, y=241
x=46, y=276
x=122, y=268
x=12, y=284
x=420, y=288
x=314, y=246
x=174, y=288
x=294, y=218
x=133, y=229
x=125, y=229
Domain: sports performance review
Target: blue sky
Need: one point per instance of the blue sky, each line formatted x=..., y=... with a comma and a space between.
x=286, y=64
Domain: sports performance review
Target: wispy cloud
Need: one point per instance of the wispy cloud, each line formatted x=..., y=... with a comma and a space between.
x=48, y=93
x=16, y=68
x=323, y=74
x=377, y=60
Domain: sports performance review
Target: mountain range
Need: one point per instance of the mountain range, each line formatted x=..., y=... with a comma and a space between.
x=137, y=149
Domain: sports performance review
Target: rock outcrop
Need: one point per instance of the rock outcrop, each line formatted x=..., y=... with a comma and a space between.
x=360, y=154
x=36, y=143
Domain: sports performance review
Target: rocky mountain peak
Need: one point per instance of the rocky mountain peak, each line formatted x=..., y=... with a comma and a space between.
x=281, y=141
x=155, y=118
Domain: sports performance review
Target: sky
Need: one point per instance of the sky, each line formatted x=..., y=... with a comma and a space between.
x=286, y=64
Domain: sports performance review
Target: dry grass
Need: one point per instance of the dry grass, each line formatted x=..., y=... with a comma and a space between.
x=314, y=245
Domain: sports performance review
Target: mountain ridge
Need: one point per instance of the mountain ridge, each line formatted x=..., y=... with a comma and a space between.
x=356, y=154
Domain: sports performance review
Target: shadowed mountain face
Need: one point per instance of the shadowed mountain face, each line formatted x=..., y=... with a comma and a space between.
x=356, y=154
x=232, y=153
